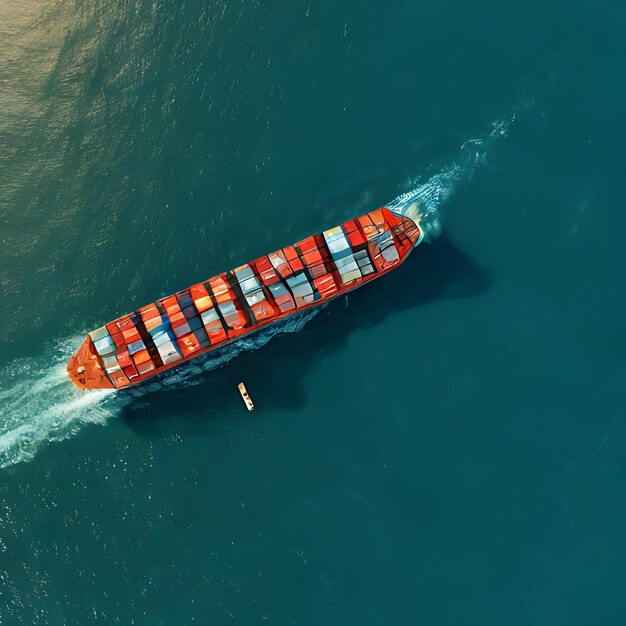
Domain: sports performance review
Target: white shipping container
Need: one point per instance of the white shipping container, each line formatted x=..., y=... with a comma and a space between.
x=209, y=316
x=254, y=297
x=244, y=273
x=343, y=262
x=106, y=345
x=160, y=338
x=109, y=361
x=390, y=254
x=249, y=284
x=338, y=246
x=278, y=289
x=227, y=308
x=99, y=333
x=182, y=330
x=350, y=276
x=349, y=267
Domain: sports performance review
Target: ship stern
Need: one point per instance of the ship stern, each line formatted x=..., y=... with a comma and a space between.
x=85, y=370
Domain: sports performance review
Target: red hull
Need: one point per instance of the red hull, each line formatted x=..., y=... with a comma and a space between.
x=216, y=312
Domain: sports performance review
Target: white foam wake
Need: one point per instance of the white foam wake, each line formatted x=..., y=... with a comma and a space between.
x=39, y=404
x=423, y=202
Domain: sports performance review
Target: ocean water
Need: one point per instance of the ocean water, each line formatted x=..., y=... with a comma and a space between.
x=444, y=446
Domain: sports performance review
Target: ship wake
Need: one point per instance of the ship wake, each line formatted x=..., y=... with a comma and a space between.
x=39, y=404
x=427, y=193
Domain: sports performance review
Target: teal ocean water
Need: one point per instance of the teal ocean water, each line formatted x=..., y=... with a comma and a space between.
x=444, y=447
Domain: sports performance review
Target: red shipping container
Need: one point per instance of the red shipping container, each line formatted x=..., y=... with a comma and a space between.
x=144, y=368
x=130, y=336
x=149, y=312
x=141, y=357
x=170, y=303
x=188, y=344
x=216, y=333
x=261, y=264
x=318, y=270
x=124, y=359
x=131, y=371
x=119, y=379
x=118, y=339
x=325, y=285
x=290, y=253
x=125, y=324
x=356, y=239
x=296, y=265
x=313, y=257
x=350, y=226
x=306, y=245
x=198, y=291
x=262, y=310
x=177, y=318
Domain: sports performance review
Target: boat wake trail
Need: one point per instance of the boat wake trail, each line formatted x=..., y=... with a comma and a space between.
x=424, y=200
x=39, y=404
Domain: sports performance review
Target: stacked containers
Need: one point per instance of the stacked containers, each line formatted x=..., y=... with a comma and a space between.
x=129, y=335
x=180, y=317
x=161, y=334
x=169, y=347
x=311, y=257
x=227, y=305
x=404, y=230
x=388, y=248
x=280, y=264
x=118, y=376
x=265, y=269
x=293, y=258
x=146, y=319
x=134, y=359
x=139, y=350
x=301, y=289
x=107, y=344
x=381, y=246
x=326, y=283
x=297, y=281
x=196, y=338
x=342, y=255
x=358, y=242
x=208, y=314
x=253, y=293
x=103, y=342
x=176, y=317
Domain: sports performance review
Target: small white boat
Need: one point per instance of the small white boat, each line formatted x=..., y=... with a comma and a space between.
x=246, y=397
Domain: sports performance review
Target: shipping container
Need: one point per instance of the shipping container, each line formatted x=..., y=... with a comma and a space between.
x=218, y=311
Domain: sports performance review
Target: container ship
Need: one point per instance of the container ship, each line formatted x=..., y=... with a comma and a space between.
x=216, y=312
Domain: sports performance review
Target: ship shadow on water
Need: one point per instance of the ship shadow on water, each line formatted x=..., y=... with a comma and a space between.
x=274, y=372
